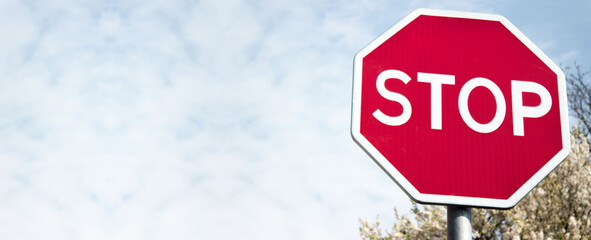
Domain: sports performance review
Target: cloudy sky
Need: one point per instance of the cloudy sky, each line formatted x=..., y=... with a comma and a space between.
x=205, y=119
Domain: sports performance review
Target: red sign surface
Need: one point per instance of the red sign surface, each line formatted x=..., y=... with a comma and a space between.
x=460, y=108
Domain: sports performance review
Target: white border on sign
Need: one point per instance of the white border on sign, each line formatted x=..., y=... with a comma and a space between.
x=446, y=199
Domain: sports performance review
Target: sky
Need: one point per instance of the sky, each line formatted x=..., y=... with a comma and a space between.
x=205, y=119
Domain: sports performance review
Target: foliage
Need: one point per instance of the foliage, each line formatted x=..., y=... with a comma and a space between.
x=558, y=208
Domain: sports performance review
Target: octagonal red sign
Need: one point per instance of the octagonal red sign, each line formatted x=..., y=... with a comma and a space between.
x=460, y=108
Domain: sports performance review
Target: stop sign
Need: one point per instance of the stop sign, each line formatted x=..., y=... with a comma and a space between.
x=460, y=108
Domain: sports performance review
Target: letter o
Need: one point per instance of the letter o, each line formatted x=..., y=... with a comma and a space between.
x=465, y=112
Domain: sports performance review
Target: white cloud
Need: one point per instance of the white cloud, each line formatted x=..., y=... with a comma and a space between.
x=213, y=120
x=179, y=120
x=568, y=57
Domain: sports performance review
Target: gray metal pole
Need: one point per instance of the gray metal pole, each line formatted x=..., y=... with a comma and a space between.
x=459, y=223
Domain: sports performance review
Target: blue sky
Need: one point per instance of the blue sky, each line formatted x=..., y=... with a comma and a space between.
x=205, y=119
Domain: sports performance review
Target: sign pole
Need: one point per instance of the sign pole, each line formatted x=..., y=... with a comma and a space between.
x=459, y=223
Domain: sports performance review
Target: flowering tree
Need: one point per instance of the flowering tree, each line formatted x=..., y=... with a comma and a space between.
x=558, y=208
